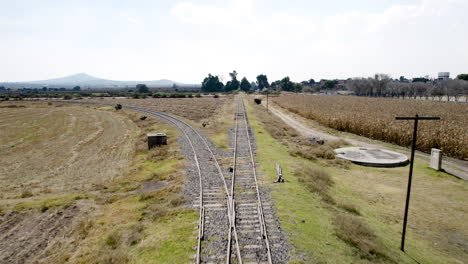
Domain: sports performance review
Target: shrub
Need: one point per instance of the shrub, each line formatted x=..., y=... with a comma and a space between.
x=258, y=100
x=67, y=97
x=355, y=232
x=315, y=180
x=348, y=207
x=113, y=240
x=26, y=193
x=118, y=107
x=216, y=96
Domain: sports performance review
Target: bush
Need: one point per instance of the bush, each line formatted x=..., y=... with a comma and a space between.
x=348, y=207
x=216, y=96
x=355, y=232
x=113, y=240
x=67, y=97
x=258, y=100
x=118, y=107
x=26, y=193
x=315, y=180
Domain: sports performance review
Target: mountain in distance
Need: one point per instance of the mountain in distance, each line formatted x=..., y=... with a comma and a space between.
x=87, y=81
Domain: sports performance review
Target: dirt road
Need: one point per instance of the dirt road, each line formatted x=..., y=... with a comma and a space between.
x=458, y=168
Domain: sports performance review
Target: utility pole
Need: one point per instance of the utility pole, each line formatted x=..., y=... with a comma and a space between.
x=413, y=149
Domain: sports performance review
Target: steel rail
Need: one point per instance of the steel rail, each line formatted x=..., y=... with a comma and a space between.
x=260, y=206
x=201, y=219
x=230, y=201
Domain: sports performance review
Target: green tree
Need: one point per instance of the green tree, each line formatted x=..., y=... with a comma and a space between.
x=420, y=79
x=233, y=84
x=77, y=88
x=262, y=81
x=298, y=87
x=463, y=76
x=286, y=84
x=212, y=84
x=245, y=85
x=142, y=88
x=329, y=84
x=2, y=88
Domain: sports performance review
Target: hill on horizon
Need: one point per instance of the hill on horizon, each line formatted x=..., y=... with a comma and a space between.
x=87, y=81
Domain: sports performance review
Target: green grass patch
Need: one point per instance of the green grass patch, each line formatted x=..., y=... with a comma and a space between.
x=45, y=204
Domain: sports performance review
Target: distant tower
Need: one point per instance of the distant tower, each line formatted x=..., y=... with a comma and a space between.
x=443, y=75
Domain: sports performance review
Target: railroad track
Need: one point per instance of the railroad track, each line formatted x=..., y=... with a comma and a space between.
x=248, y=211
x=233, y=225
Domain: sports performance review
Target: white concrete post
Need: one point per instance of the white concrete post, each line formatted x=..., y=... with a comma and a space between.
x=436, y=159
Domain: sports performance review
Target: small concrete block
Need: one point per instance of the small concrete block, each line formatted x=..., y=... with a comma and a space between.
x=436, y=159
x=156, y=139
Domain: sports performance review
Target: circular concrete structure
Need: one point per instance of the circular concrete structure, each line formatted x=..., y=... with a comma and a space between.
x=372, y=157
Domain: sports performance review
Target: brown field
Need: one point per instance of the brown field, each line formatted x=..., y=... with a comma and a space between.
x=375, y=118
x=78, y=185
x=195, y=109
x=45, y=150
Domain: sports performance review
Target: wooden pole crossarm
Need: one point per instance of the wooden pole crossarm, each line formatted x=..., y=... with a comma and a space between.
x=410, y=177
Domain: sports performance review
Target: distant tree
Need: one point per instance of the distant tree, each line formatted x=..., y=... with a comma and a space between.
x=463, y=76
x=44, y=88
x=275, y=84
x=212, y=84
x=2, y=88
x=420, y=79
x=174, y=86
x=262, y=81
x=298, y=87
x=380, y=83
x=233, y=84
x=253, y=86
x=403, y=79
x=77, y=88
x=62, y=89
x=245, y=85
x=286, y=84
x=329, y=84
x=142, y=88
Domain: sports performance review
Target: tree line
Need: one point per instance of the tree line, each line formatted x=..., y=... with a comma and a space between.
x=212, y=83
x=381, y=85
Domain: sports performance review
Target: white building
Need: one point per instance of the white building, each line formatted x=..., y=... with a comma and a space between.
x=443, y=75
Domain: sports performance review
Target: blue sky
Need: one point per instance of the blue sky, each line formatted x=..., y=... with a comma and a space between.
x=186, y=40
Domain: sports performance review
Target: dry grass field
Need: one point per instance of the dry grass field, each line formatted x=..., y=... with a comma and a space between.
x=195, y=109
x=78, y=185
x=216, y=113
x=47, y=150
x=375, y=118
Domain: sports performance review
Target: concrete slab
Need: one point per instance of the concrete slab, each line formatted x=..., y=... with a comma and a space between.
x=372, y=157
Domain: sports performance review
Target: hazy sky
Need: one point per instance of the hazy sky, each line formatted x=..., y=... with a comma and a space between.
x=185, y=40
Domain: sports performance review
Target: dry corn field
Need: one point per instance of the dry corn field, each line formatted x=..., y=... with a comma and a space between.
x=375, y=118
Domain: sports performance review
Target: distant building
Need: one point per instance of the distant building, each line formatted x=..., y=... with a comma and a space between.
x=443, y=75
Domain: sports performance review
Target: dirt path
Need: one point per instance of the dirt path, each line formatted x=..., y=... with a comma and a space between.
x=458, y=168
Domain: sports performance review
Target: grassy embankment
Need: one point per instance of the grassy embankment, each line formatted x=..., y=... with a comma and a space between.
x=336, y=212
x=135, y=215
